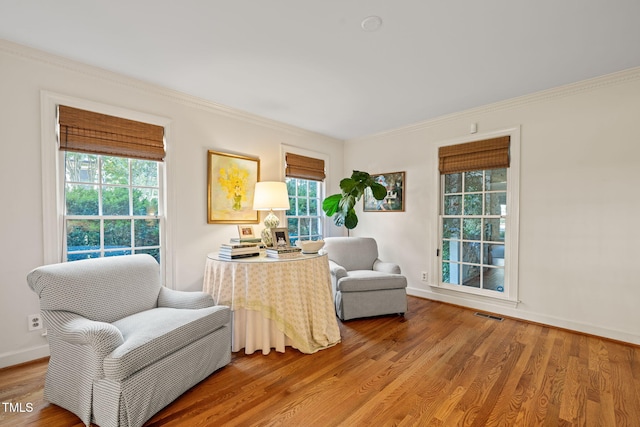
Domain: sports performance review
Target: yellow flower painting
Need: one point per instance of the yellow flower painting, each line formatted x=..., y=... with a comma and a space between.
x=231, y=182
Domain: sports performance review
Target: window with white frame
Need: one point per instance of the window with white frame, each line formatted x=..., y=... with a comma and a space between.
x=478, y=218
x=304, y=179
x=304, y=219
x=111, y=206
x=111, y=187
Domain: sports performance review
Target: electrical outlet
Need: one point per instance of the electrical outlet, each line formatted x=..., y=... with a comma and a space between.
x=35, y=322
x=425, y=276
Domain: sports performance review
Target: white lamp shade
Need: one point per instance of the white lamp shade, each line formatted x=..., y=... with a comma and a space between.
x=270, y=195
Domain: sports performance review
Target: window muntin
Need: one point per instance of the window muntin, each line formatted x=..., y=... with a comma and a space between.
x=304, y=220
x=111, y=206
x=474, y=212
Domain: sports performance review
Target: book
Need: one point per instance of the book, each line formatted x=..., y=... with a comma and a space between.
x=246, y=240
x=238, y=256
x=238, y=245
x=238, y=251
x=284, y=250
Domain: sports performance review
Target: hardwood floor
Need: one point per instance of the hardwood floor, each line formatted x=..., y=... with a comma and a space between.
x=438, y=366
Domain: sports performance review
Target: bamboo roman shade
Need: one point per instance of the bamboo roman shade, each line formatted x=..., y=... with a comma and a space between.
x=304, y=167
x=95, y=133
x=478, y=155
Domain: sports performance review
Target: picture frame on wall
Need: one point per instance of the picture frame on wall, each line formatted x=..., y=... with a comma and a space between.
x=394, y=182
x=280, y=237
x=231, y=180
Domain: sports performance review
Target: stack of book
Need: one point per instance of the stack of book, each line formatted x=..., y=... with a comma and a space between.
x=238, y=250
x=284, y=252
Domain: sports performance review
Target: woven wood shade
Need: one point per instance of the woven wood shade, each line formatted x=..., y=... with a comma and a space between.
x=304, y=167
x=478, y=155
x=95, y=133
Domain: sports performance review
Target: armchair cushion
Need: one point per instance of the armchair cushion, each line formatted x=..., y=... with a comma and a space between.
x=153, y=334
x=369, y=280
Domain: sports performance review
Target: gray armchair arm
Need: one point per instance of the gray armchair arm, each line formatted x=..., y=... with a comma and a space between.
x=75, y=329
x=337, y=271
x=183, y=299
x=386, y=267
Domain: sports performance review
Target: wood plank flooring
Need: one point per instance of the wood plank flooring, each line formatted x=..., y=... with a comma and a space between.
x=440, y=365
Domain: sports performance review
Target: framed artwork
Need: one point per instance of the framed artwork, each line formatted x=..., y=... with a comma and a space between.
x=394, y=202
x=231, y=180
x=245, y=232
x=280, y=236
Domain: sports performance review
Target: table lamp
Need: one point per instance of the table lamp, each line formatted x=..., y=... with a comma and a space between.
x=270, y=196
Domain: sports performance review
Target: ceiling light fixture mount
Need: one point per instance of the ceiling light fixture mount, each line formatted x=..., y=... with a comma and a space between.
x=371, y=23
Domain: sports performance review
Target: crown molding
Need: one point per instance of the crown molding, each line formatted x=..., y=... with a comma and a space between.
x=570, y=89
x=49, y=59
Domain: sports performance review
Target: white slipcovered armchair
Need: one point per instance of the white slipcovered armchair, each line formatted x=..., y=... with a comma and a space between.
x=122, y=345
x=363, y=285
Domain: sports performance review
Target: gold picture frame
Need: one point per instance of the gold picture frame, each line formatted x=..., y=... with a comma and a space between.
x=231, y=180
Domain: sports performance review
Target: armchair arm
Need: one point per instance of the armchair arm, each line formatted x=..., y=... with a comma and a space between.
x=183, y=299
x=337, y=271
x=75, y=329
x=386, y=267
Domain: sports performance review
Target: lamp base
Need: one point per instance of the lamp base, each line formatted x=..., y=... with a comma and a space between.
x=271, y=221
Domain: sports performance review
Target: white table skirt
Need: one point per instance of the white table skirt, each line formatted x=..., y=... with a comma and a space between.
x=252, y=331
x=275, y=303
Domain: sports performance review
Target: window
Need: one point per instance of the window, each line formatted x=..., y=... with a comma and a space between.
x=478, y=217
x=304, y=220
x=111, y=206
x=473, y=228
x=304, y=178
x=111, y=188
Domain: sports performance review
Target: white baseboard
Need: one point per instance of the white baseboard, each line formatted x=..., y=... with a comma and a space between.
x=495, y=306
x=22, y=356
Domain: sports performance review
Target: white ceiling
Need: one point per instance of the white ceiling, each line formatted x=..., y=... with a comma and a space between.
x=309, y=63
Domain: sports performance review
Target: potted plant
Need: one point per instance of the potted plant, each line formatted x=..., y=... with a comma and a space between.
x=341, y=206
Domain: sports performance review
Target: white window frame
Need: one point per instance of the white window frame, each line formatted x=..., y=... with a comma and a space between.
x=510, y=293
x=53, y=170
x=284, y=148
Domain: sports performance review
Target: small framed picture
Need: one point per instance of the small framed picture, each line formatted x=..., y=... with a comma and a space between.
x=245, y=232
x=280, y=237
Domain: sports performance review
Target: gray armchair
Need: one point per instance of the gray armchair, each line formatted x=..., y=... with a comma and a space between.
x=363, y=285
x=123, y=346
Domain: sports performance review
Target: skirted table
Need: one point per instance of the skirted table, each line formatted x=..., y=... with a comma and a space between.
x=275, y=302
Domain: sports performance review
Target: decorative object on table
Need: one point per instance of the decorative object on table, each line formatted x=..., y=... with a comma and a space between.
x=283, y=252
x=341, y=206
x=270, y=196
x=245, y=232
x=310, y=246
x=394, y=200
x=238, y=250
x=231, y=182
x=280, y=237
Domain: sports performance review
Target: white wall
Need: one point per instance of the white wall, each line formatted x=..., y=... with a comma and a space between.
x=579, y=202
x=196, y=127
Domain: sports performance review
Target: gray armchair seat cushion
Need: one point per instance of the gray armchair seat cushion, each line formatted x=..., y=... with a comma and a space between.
x=369, y=280
x=153, y=334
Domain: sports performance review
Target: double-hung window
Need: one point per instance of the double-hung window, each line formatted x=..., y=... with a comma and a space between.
x=476, y=233
x=304, y=177
x=112, y=186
